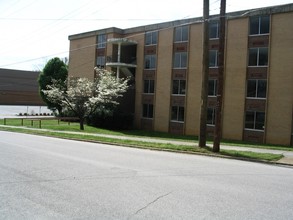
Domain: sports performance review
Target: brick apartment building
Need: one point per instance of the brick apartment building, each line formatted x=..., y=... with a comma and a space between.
x=165, y=61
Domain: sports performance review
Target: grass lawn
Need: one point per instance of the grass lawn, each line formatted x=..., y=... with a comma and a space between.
x=64, y=126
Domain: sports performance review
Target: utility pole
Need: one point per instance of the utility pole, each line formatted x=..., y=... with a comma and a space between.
x=218, y=120
x=205, y=75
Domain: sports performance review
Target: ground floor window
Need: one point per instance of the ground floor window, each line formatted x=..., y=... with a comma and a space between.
x=147, y=110
x=254, y=120
x=177, y=113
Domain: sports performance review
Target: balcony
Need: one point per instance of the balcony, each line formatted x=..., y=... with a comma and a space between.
x=123, y=57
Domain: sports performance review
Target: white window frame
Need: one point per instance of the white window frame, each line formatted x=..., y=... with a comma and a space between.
x=216, y=58
x=181, y=30
x=256, y=89
x=149, y=86
x=177, y=116
x=254, y=122
x=148, y=111
x=154, y=38
x=153, y=61
x=213, y=116
x=102, y=60
x=101, y=41
x=214, y=88
x=180, y=55
x=257, y=59
x=179, y=87
x=259, y=26
x=218, y=29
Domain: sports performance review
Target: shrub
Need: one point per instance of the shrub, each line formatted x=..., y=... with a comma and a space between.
x=116, y=121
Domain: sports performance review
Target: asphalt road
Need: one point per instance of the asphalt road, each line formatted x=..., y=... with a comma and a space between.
x=49, y=178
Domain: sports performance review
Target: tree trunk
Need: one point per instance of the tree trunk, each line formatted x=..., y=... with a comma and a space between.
x=81, y=123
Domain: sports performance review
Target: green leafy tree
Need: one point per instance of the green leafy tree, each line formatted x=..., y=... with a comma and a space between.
x=54, y=71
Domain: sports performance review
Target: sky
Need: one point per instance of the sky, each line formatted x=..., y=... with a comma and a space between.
x=34, y=31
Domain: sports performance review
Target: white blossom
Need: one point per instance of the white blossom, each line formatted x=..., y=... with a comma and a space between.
x=84, y=96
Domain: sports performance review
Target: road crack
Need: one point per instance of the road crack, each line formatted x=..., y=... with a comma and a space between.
x=151, y=203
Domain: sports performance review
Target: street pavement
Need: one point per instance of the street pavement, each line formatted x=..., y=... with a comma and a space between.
x=51, y=178
x=286, y=160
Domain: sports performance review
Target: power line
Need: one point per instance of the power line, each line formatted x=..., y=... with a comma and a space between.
x=9, y=6
x=85, y=47
x=37, y=30
x=20, y=9
x=134, y=35
x=82, y=8
x=90, y=19
x=80, y=19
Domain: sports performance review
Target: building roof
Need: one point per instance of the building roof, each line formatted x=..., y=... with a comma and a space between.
x=158, y=26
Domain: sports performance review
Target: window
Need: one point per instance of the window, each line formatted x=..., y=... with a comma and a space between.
x=214, y=30
x=101, y=61
x=259, y=25
x=147, y=110
x=151, y=38
x=150, y=61
x=180, y=60
x=149, y=86
x=101, y=41
x=212, y=87
x=256, y=88
x=179, y=87
x=258, y=56
x=211, y=116
x=177, y=113
x=254, y=120
x=213, y=58
x=181, y=34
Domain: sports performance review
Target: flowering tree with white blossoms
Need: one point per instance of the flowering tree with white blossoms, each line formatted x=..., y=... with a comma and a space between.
x=84, y=96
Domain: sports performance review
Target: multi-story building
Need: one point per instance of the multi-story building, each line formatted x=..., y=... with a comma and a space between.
x=165, y=61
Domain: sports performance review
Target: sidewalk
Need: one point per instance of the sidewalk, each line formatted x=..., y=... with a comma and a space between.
x=286, y=160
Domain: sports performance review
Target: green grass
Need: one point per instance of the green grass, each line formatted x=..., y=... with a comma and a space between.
x=256, y=145
x=252, y=155
x=63, y=126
